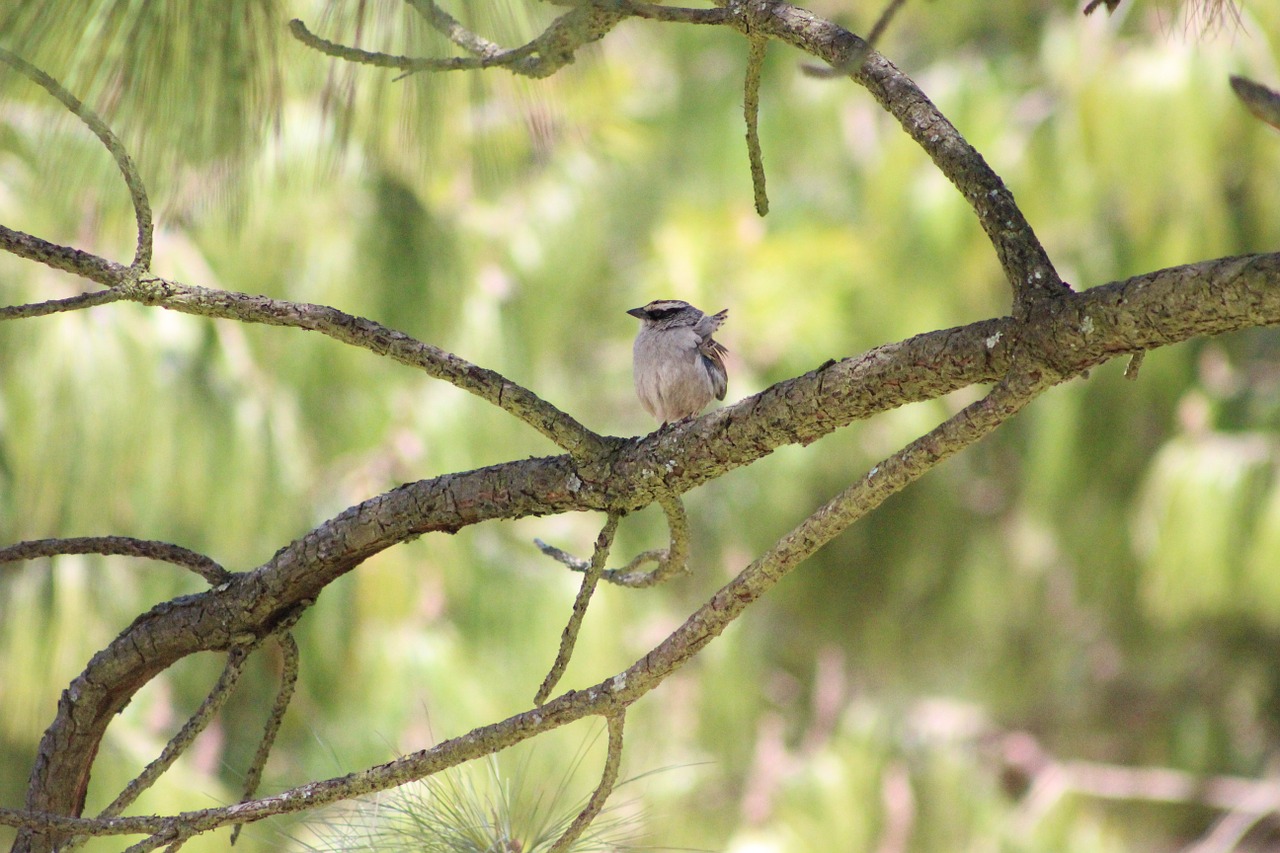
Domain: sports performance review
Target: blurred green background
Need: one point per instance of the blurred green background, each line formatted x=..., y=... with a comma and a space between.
x=1101, y=575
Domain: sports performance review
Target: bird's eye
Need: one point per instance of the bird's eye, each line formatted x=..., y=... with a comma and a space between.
x=661, y=313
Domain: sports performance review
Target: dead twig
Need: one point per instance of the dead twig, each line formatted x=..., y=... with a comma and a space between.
x=132, y=180
x=288, y=684
x=119, y=546
x=608, y=777
x=671, y=560
x=569, y=637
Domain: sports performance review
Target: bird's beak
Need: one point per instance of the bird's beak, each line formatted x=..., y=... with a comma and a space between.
x=638, y=313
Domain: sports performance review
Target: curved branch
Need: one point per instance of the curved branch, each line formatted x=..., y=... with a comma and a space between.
x=1026, y=264
x=542, y=57
x=615, y=694
x=119, y=546
x=486, y=384
x=137, y=193
x=608, y=777
x=179, y=743
x=388, y=60
x=671, y=560
x=1067, y=337
x=563, y=430
x=569, y=637
x=288, y=684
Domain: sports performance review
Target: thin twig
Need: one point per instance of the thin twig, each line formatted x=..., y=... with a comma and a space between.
x=387, y=60
x=119, y=546
x=489, y=385
x=179, y=743
x=288, y=684
x=174, y=837
x=1135, y=364
x=65, y=258
x=448, y=26
x=671, y=560
x=57, y=306
x=756, y=47
x=1027, y=267
x=612, y=763
x=882, y=23
x=543, y=56
x=138, y=193
x=569, y=637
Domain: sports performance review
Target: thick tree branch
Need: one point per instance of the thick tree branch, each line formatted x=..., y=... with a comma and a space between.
x=613, y=695
x=1063, y=339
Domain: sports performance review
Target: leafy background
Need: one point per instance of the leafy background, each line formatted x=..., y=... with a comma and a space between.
x=1101, y=574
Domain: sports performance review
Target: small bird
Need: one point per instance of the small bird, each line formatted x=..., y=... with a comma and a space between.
x=677, y=365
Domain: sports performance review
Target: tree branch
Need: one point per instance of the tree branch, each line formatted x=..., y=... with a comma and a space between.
x=288, y=684
x=486, y=384
x=671, y=560
x=404, y=63
x=612, y=695
x=179, y=743
x=137, y=193
x=569, y=637
x=1026, y=265
x=608, y=777
x=1055, y=334
x=90, y=266
x=448, y=26
x=543, y=56
x=57, y=306
x=118, y=546
x=1064, y=339
x=756, y=47
x=489, y=385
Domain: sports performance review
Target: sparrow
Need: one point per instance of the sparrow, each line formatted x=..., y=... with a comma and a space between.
x=677, y=366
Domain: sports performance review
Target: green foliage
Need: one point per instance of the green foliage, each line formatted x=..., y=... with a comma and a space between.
x=497, y=807
x=1100, y=572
